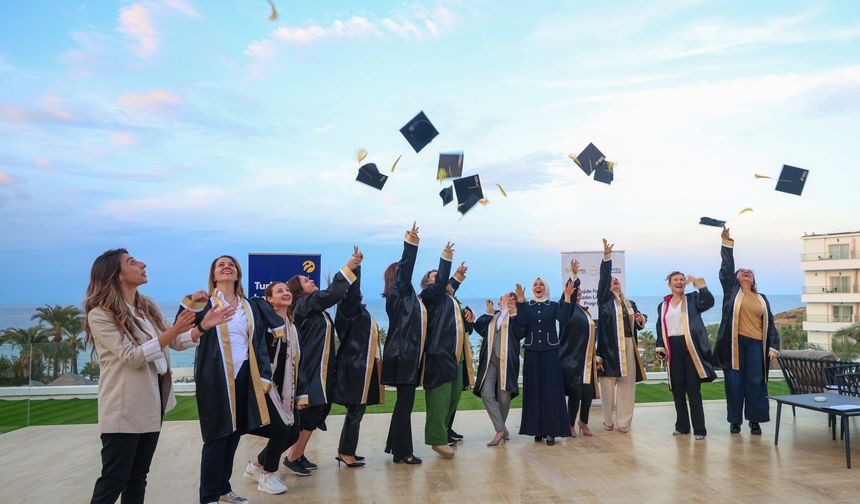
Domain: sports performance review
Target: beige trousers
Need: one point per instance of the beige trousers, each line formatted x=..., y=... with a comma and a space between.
x=620, y=392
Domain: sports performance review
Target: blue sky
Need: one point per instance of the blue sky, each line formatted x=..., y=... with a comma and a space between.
x=185, y=129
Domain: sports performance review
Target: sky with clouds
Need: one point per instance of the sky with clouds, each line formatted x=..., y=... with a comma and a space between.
x=184, y=129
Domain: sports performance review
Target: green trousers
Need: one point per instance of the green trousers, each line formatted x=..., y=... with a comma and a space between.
x=441, y=404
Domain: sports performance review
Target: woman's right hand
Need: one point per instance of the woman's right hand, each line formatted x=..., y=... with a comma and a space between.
x=449, y=248
x=414, y=231
x=216, y=317
x=184, y=322
x=520, y=293
x=355, y=261
x=491, y=308
x=661, y=353
x=725, y=234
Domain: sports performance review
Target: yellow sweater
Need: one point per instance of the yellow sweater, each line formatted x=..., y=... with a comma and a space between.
x=750, y=317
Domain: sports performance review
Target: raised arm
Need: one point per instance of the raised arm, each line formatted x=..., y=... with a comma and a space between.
x=403, y=277
x=704, y=298
x=432, y=293
x=482, y=325
x=350, y=305
x=459, y=277
x=522, y=318
x=727, y=266
x=604, y=294
x=333, y=293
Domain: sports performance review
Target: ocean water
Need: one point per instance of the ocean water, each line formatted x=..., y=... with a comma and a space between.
x=19, y=316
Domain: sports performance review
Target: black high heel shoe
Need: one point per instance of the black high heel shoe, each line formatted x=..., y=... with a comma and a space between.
x=411, y=460
x=350, y=465
x=358, y=457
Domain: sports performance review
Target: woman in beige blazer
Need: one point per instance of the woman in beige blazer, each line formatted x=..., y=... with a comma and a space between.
x=135, y=387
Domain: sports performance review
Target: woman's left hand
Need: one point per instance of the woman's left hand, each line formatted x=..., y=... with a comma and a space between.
x=568, y=290
x=468, y=315
x=639, y=319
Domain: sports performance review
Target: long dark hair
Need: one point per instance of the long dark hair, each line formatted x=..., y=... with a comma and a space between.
x=294, y=284
x=104, y=292
x=388, y=277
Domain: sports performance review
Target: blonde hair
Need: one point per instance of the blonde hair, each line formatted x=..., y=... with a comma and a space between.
x=104, y=292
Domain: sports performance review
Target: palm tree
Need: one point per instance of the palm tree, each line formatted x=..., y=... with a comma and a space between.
x=648, y=344
x=58, y=318
x=23, y=340
x=73, y=332
x=846, y=343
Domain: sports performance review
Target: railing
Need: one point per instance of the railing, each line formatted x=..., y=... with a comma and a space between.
x=830, y=318
x=851, y=289
x=824, y=256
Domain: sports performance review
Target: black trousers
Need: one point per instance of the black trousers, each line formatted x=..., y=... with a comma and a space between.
x=125, y=464
x=686, y=382
x=451, y=421
x=351, y=426
x=216, y=462
x=400, y=431
x=281, y=436
x=579, y=401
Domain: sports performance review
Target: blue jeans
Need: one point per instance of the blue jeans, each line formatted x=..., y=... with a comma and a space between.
x=746, y=387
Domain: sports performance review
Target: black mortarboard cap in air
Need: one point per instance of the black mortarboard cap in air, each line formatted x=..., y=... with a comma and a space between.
x=605, y=172
x=369, y=174
x=450, y=165
x=707, y=221
x=589, y=159
x=791, y=180
x=447, y=195
x=469, y=192
x=419, y=131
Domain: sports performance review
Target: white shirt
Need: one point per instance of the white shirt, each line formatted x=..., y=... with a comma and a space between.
x=673, y=320
x=238, y=329
x=502, y=315
x=151, y=347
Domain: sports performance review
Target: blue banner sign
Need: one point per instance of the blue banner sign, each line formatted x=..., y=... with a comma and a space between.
x=264, y=269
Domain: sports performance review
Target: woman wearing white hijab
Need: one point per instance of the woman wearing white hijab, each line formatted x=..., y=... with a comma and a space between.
x=544, y=410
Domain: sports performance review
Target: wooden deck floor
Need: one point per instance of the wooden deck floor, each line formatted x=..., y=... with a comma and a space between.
x=59, y=464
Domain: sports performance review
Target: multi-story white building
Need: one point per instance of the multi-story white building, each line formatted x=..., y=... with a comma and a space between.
x=831, y=275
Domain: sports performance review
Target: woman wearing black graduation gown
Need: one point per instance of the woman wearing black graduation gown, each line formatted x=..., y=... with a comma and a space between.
x=682, y=341
x=317, y=361
x=233, y=375
x=404, y=347
x=357, y=367
x=577, y=355
x=544, y=412
x=746, y=343
x=497, y=380
x=282, y=343
x=447, y=351
x=619, y=321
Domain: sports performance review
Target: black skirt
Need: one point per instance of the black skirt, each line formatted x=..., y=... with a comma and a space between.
x=544, y=407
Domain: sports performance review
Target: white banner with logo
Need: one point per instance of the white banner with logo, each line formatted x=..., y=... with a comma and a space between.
x=589, y=273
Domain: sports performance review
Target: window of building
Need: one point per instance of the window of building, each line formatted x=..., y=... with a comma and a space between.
x=840, y=284
x=838, y=251
x=843, y=313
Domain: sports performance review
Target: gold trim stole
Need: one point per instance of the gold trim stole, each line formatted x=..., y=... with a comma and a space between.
x=294, y=340
x=688, y=338
x=370, y=361
x=619, y=330
x=423, y=336
x=503, y=353
x=491, y=335
x=325, y=355
x=223, y=333
x=589, y=349
x=736, y=311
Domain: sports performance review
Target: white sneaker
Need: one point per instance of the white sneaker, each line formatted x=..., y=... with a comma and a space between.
x=252, y=472
x=233, y=498
x=270, y=483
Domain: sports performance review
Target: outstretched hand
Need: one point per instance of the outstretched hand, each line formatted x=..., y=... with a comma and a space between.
x=568, y=290
x=355, y=261
x=491, y=308
x=520, y=293
x=574, y=268
x=414, y=231
x=449, y=248
x=217, y=316
x=462, y=269
x=607, y=247
x=199, y=296
x=725, y=234
x=184, y=322
x=469, y=315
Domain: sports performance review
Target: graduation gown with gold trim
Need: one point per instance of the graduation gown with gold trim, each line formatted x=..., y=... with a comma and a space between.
x=357, y=364
x=611, y=342
x=511, y=334
x=213, y=375
x=283, y=346
x=447, y=331
x=578, y=350
x=726, y=350
x=695, y=333
x=316, y=338
x=407, y=324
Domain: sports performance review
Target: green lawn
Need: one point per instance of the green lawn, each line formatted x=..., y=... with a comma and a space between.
x=13, y=414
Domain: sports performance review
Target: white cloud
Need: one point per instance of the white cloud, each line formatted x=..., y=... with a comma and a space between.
x=158, y=102
x=135, y=21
